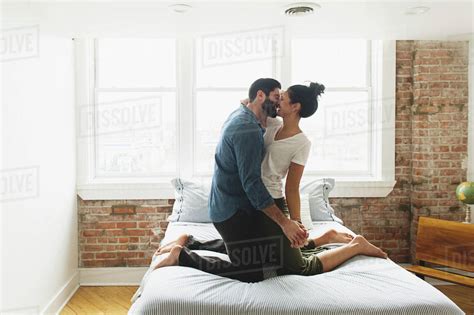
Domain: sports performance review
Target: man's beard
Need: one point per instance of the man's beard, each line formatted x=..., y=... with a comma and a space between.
x=269, y=108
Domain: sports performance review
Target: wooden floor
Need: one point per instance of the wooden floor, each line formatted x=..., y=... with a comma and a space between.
x=116, y=300
x=100, y=300
x=462, y=296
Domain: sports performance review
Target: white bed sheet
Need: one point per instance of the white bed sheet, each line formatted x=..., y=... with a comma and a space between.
x=361, y=285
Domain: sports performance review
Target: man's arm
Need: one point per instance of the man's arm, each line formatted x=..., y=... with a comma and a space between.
x=248, y=149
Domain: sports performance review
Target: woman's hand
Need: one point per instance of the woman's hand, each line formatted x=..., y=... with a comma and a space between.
x=245, y=101
x=296, y=219
x=296, y=233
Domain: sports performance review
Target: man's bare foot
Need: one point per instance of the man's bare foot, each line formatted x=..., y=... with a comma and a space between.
x=181, y=240
x=172, y=259
x=333, y=236
x=366, y=248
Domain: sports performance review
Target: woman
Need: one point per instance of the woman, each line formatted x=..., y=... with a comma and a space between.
x=287, y=149
x=286, y=152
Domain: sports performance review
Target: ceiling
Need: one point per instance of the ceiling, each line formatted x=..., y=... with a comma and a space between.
x=336, y=18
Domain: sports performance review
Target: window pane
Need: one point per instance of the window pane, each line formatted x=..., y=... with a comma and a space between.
x=135, y=134
x=136, y=63
x=339, y=132
x=212, y=109
x=234, y=60
x=334, y=63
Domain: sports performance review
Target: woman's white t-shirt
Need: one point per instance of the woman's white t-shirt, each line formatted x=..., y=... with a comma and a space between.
x=279, y=155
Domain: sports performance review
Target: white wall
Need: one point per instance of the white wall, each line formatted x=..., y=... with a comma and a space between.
x=38, y=234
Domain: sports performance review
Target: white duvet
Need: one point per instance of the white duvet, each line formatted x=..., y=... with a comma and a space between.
x=362, y=285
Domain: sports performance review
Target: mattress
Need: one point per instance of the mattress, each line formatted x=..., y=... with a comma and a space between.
x=361, y=285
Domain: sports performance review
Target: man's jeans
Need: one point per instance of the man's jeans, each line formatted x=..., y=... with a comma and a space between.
x=255, y=245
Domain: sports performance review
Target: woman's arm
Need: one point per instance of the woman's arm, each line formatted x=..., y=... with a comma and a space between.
x=292, y=190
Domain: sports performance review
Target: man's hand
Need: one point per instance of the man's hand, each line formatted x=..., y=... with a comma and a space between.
x=306, y=231
x=296, y=233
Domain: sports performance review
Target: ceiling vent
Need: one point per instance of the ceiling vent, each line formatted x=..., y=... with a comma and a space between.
x=301, y=8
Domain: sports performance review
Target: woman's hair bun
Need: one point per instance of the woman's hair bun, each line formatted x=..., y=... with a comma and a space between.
x=317, y=88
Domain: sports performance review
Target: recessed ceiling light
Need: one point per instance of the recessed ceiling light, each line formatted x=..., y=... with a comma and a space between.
x=180, y=8
x=301, y=8
x=417, y=10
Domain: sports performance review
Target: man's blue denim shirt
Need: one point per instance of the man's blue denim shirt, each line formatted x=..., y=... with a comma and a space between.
x=237, y=181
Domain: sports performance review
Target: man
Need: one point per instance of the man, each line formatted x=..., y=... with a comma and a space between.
x=239, y=203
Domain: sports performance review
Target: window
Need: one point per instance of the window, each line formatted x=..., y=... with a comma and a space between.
x=340, y=131
x=222, y=80
x=152, y=109
x=134, y=105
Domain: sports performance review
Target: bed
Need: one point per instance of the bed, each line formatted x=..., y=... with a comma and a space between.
x=362, y=285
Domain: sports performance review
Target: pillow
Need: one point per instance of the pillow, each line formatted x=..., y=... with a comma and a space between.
x=318, y=196
x=191, y=201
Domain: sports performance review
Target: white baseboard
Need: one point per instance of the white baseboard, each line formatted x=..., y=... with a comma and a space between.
x=63, y=296
x=124, y=276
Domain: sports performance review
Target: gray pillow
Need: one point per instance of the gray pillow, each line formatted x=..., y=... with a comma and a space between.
x=318, y=196
x=191, y=201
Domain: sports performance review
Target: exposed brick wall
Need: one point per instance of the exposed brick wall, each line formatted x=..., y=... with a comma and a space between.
x=430, y=150
x=120, y=233
x=430, y=155
x=439, y=129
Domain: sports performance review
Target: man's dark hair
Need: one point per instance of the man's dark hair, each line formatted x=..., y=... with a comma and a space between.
x=265, y=84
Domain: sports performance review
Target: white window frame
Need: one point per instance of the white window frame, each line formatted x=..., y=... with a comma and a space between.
x=95, y=96
x=89, y=187
x=383, y=63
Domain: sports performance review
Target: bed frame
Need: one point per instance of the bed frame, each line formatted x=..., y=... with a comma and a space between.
x=448, y=244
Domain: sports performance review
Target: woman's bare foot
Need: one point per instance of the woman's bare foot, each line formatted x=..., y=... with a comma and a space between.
x=181, y=240
x=172, y=259
x=333, y=236
x=366, y=248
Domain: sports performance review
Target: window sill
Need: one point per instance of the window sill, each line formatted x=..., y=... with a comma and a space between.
x=362, y=189
x=343, y=189
x=145, y=191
